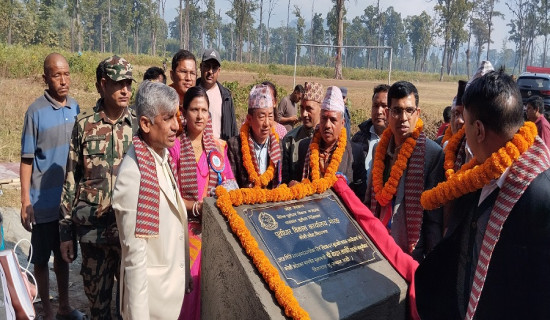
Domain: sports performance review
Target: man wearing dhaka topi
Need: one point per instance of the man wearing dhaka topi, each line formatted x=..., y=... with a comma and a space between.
x=329, y=151
x=255, y=155
x=405, y=164
x=493, y=261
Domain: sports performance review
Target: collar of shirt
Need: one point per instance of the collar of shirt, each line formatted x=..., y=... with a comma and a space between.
x=260, y=150
x=100, y=114
x=492, y=185
x=55, y=104
x=373, y=134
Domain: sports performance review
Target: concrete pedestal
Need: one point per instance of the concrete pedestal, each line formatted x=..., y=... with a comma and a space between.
x=232, y=288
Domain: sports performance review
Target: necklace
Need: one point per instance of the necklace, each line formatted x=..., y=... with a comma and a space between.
x=473, y=176
x=448, y=134
x=384, y=192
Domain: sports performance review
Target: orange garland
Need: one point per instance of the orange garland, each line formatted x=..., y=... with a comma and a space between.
x=448, y=134
x=227, y=200
x=259, y=181
x=451, y=151
x=332, y=168
x=473, y=176
x=385, y=192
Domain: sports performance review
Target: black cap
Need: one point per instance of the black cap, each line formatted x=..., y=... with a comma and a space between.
x=460, y=92
x=211, y=54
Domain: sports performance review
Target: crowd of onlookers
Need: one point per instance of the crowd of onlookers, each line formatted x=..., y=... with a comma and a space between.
x=127, y=183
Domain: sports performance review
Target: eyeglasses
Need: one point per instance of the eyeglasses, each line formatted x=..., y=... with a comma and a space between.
x=397, y=112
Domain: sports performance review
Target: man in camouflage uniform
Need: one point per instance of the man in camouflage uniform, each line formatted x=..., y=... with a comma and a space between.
x=99, y=141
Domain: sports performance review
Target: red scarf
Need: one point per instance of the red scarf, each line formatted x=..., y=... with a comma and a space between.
x=414, y=185
x=524, y=170
x=147, y=217
x=188, y=164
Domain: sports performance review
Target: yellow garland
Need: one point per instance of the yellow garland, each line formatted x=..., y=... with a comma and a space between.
x=385, y=192
x=451, y=150
x=259, y=181
x=448, y=134
x=473, y=176
x=337, y=155
x=227, y=200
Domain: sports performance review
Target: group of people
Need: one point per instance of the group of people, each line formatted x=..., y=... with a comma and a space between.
x=128, y=183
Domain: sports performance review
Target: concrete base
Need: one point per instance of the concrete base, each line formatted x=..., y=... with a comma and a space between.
x=231, y=288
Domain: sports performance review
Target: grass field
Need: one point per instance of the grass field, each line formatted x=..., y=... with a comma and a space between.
x=17, y=94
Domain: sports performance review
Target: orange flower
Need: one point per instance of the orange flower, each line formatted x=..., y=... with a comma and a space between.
x=473, y=176
x=337, y=155
x=258, y=180
x=448, y=134
x=451, y=150
x=385, y=192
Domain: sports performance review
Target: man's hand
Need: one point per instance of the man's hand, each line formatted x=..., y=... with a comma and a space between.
x=27, y=216
x=67, y=252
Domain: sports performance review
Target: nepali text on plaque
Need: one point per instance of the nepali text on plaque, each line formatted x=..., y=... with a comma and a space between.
x=310, y=239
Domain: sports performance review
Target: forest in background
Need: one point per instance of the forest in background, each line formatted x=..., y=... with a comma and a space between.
x=451, y=42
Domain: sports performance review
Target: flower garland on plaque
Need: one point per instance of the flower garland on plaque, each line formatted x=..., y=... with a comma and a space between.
x=227, y=200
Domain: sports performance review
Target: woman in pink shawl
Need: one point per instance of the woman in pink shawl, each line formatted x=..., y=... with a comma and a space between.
x=202, y=164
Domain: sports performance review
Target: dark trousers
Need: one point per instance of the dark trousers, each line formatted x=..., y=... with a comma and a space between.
x=100, y=266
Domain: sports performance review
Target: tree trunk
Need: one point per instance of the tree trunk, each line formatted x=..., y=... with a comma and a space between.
x=443, y=58
x=110, y=28
x=186, y=27
x=340, y=40
x=286, y=32
x=260, y=33
x=181, y=24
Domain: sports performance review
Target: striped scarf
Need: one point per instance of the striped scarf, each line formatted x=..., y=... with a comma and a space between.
x=274, y=153
x=147, y=217
x=524, y=170
x=188, y=164
x=414, y=185
x=460, y=155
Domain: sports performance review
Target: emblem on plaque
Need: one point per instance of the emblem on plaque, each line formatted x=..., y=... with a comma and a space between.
x=267, y=221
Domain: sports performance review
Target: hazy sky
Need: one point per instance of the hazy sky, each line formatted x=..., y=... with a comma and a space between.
x=354, y=8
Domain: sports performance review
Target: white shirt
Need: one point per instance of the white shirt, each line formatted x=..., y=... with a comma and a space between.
x=374, y=138
x=260, y=151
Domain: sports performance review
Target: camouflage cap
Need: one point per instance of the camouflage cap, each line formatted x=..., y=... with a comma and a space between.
x=313, y=91
x=117, y=68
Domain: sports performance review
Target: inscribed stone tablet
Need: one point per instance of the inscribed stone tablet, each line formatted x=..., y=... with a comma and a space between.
x=310, y=239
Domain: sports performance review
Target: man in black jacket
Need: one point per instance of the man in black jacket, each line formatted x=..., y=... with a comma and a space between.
x=493, y=261
x=370, y=131
x=222, y=111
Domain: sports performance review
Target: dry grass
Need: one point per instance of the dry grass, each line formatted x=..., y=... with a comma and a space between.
x=17, y=94
x=10, y=198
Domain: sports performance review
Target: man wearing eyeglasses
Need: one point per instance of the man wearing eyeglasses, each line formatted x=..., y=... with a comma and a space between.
x=406, y=163
x=222, y=111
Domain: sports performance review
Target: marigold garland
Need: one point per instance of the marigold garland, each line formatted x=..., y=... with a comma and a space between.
x=227, y=200
x=473, y=176
x=384, y=192
x=262, y=180
x=451, y=150
x=329, y=176
x=448, y=134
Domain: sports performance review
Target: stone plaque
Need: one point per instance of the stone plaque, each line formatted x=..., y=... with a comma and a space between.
x=310, y=239
x=331, y=265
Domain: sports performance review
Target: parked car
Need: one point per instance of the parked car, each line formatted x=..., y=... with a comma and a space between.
x=536, y=83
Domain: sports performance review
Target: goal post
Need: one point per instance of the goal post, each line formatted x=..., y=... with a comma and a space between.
x=299, y=45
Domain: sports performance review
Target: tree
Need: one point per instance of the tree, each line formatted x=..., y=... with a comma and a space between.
x=241, y=13
x=393, y=31
x=300, y=27
x=419, y=31
x=452, y=17
x=213, y=22
x=370, y=19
